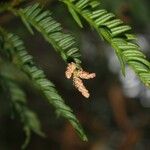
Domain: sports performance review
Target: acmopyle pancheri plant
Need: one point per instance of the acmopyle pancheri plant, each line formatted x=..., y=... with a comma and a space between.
x=12, y=49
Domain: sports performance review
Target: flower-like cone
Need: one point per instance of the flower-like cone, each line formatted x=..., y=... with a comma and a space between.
x=70, y=69
x=80, y=86
x=78, y=75
x=85, y=75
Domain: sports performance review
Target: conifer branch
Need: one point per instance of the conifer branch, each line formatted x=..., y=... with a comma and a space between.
x=117, y=34
x=15, y=46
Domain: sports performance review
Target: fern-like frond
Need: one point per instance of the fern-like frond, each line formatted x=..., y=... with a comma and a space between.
x=63, y=43
x=24, y=61
x=115, y=33
x=28, y=118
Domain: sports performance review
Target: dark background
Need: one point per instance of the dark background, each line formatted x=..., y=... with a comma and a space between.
x=115, y=117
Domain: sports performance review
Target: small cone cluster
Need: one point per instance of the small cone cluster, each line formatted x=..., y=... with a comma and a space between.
x=78, y=75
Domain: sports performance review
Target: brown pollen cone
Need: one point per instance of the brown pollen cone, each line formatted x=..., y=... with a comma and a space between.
x=70, y=69
x=80, y=86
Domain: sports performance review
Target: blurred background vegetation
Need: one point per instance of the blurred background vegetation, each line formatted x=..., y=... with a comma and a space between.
x=117, y=114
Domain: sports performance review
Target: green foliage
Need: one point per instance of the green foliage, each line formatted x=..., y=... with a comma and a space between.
x=115, y=33
x=51, y=30
x=28, y=118
x=20, y=57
